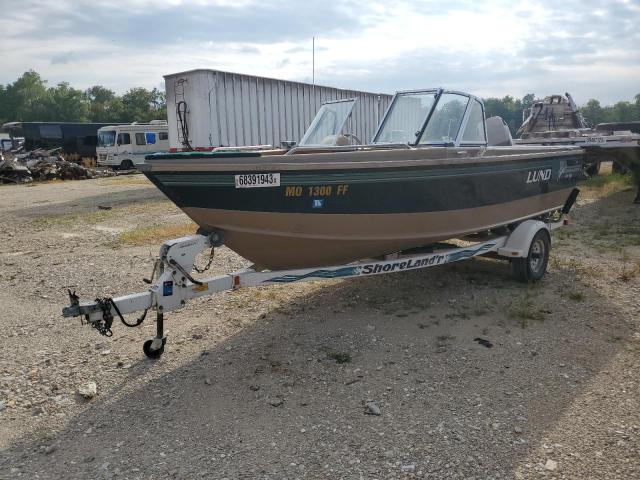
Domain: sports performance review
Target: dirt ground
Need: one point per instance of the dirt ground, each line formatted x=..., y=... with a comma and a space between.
x=272, y=382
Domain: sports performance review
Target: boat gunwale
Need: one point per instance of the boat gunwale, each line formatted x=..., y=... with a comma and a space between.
x=319, y=161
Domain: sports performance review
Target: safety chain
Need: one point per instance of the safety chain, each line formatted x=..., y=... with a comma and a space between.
x=208, y=265
x=104, y=326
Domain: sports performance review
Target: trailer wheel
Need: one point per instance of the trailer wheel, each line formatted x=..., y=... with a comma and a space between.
x=146, y=348
x=126, y=165
x=617, y=167
x=533, y=267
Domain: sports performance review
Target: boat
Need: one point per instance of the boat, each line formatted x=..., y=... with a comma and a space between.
x=557, y=121
x=435, y=170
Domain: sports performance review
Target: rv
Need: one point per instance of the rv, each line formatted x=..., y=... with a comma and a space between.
x=125, y=146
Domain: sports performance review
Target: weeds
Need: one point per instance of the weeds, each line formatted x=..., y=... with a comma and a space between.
x=630, y=272
x=524, y=310
x=609, y=181
x=124, y=180
x=576, y=296
x=146, y=235
x=68, y=220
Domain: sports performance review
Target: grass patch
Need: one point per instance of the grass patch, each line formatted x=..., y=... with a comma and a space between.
x=136, y=179
x=630, y=272
x=576, y=296
x=68, y=220
x=609, y=181
x=524, y=311
x=607, y=236
x=154, y=234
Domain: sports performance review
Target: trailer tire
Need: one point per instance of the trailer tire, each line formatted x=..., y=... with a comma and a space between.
x=154, y=354
x=617, y=167
x=533, y=267
x=126, y=165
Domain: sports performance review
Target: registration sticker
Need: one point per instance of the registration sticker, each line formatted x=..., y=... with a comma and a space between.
x=252, y=180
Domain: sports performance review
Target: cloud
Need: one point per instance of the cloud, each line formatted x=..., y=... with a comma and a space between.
x=62, y=58
x=501, y=47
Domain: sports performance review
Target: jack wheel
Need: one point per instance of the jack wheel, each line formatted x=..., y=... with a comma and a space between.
x=533, y=267
x=146, y=348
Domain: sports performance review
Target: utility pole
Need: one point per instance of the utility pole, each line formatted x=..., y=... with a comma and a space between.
x=313, y=61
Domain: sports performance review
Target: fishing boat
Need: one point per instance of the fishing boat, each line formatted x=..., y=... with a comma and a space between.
x=435, y=170
x=557, y=121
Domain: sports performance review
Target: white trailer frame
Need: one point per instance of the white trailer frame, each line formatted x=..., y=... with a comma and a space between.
x=528, y=244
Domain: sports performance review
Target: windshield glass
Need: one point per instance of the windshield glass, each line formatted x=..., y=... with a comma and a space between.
x=106, y=138
x=328, y=123
x=445, y=122
x=405, y=118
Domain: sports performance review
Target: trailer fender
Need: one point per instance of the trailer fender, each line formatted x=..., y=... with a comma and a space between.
x=518, y=243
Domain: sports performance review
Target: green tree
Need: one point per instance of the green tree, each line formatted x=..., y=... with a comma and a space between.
x=104, y=104
x=528, y=100
x=509, y=108
x=624, y=112
x=25, y=99
x=593, y=113
x=142, y=105
x=65, y=104
x=3, y=105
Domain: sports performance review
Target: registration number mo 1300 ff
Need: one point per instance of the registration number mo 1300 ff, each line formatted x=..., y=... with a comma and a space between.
x=252, y=180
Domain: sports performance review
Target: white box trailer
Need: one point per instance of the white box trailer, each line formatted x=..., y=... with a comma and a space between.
x=211, y=108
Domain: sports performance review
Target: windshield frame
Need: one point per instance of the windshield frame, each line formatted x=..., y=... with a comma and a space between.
x=107, y=131
x=317, y=119
x=438, y=95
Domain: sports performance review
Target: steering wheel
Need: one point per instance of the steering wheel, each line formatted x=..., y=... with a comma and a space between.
x=351, y=135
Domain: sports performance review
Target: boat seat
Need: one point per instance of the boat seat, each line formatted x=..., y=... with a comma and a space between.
x=339, y=140
x=498, y=133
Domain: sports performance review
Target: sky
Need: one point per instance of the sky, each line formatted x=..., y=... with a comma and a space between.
x=589, y=48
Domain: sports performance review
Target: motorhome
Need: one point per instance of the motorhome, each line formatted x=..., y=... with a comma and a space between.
x=125, y=146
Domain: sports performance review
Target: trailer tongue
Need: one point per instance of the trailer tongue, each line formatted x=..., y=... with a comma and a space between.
x=172, y=284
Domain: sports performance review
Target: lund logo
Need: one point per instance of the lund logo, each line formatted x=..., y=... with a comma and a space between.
x=539, y=175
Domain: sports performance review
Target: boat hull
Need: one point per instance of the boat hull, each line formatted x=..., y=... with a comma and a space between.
x=291, y=240
x=323, y=214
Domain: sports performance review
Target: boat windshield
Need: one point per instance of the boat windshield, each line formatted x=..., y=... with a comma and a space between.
x=106, y=138
x=446, y=119
x=405, y=119
x=328, y=123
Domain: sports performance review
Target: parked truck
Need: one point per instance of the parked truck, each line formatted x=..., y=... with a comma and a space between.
x=210, y=108
x=125, y=146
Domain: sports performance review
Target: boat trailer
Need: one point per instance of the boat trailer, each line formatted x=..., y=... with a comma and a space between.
x=172, y=284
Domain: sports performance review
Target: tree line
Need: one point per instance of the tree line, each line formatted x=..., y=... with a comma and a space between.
x=30, y=99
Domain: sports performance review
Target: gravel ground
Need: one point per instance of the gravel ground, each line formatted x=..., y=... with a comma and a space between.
x=281, y=382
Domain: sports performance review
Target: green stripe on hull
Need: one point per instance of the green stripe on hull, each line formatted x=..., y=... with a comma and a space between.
x=325, y=178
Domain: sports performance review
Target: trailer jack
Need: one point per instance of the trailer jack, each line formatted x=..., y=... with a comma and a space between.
x=172, y=284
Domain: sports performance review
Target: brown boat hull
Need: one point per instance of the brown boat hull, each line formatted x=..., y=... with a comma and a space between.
x=288, y=240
